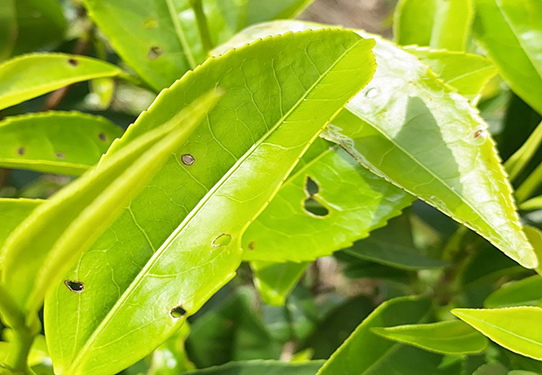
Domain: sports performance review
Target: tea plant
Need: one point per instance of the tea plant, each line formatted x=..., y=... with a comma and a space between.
x=269, y=148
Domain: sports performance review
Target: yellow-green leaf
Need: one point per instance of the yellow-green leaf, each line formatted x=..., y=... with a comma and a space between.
x=44, y=246
x=55, y=142
x=29, y=76
x=454, y=166
x=436, y=23
x=465, y=72
x=510, y=32
x=450, y=337
x=515, y=328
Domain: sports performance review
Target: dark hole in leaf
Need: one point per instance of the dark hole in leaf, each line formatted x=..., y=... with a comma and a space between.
x=251, y=245
x=372, y=92
x=313, y=207
x=311, y=187
x=74, y=286
x=188, y=159
x=102, y=137
x=60, y=155
x=73, y=62
x=222, y=240
x=21, y=151
x=154, y=52
x=177, y=312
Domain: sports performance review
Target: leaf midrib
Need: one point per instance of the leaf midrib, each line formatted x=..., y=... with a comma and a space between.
x=113, y=311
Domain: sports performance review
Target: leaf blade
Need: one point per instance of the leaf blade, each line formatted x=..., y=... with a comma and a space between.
x=55, y=142
x=90, y=202
x=370, y=349
x=504, y=29
x=449, y=337
x=510, y=327
x=455, y=168
x=29, y=76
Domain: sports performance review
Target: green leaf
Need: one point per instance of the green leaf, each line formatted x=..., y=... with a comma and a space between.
x=509, y=31
x=55, y=142
x=332, y=329
x=534, y=235
x=282, y=226
x=160, y=39
x=514, y=328
x=235, y=325
x=8, y=28
x=37, y=254
x=454, y=167
x=102, y=92
x=367, y=353
x=529, y=185
x=491, y=369
x=37, y=355
x=487, y=266
x=39, y=24
x=440, y=24
x=520, y=159
x=450, y=337
x=288, y=222
x=526, y=292
x=465, y=72
x=532, y=204
x=359, y=268
x=170, y=358
x=393, y=246
x=261, y=368
x=184, y=243
x=14, y=211
x=261, y=11
x=294, y=320
x=32, y=75
x=275, y=281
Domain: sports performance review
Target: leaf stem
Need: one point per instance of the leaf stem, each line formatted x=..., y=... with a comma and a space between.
x=23, y=334
x=203, y=26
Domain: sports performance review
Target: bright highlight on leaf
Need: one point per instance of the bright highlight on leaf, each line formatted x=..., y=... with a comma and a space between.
x=515, y=328
x=465, y=72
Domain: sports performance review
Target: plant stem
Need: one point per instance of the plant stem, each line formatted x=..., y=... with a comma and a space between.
x=22, y=333
x=203, y=26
